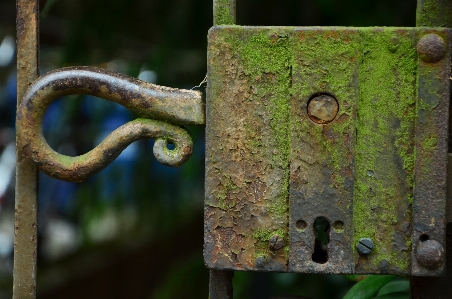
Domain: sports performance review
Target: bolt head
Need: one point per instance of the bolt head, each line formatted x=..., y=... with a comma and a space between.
x=430, y=254
x=365, y=246
x=322, y=109
x=276, y=242
x=431, y=48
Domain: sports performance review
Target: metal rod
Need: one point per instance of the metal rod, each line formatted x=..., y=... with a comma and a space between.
x=25, y=226
x=434, y=13
x=220, y=284
x=224, y=12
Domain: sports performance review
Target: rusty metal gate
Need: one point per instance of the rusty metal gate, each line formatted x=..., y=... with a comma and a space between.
x=338, y=131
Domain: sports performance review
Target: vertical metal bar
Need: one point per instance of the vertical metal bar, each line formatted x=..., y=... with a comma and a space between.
x=25, y=226
x=435, y=287
x=434, y=13
x=449, y=187
x=429, y=205
x=223, y=12
x=220, y=284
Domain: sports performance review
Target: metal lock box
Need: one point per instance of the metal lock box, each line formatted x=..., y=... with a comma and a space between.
x=326, y=149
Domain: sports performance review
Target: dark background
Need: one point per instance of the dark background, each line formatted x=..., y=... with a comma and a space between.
x=135, y=229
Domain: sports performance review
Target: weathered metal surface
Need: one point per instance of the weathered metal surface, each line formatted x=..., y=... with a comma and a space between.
x=435, y=287
x=273, y=171
x=26, y=207
x=247, y=152
x=321, y=155
x=449, y=187
x=220, y=284
x=177, y=106
x=147, y=100
x=224, y=12
x=429, y=207
x=384, y=161
x=434, y=13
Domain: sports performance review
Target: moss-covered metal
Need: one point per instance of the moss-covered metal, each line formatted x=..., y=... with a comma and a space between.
x=249, y=82
x=434, y=13
x=384, y=161
x=268, y=165
x=224, y=12
x=321, y=159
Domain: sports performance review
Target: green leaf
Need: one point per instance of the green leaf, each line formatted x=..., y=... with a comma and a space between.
x=395, y=286
x=403, y=295
x=368, y=287
x=355, y=277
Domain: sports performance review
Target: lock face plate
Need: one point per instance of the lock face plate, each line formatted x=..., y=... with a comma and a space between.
x=318, y=138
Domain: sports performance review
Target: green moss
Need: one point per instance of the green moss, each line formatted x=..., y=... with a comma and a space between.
x=286, y=252
x=224, y=193
x=427, y=147
x=262, y=237
x=434, y=13
x=265, y=59
x=223, y=12
x=326, y=62
x=254, y=139
x=385, y=141
x=429, y=143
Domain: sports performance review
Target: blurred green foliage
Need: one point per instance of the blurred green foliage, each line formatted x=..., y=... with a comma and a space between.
x=380, y=287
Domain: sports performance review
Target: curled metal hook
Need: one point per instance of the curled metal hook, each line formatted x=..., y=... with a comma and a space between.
x=162, y=104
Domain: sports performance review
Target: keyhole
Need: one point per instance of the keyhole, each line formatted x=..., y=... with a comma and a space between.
x=321, y=231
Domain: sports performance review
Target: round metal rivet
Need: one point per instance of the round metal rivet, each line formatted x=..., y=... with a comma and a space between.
x=430, y=254
x=431, y=48
x=322, y=109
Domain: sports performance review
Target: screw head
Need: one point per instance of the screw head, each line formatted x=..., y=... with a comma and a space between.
x=431, y=48
x=276, y=242
x=430, y=254
x=365, y=246
x=322, y=109
x=261, y=261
